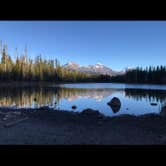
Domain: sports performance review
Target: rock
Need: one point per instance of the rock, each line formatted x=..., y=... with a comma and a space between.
x=73, y=107
x=4, y=118
x=91, y=112
x=115, y=104
x=153, y=104
x=44, y=108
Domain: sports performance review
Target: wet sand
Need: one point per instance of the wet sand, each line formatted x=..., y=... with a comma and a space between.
x=69, y=128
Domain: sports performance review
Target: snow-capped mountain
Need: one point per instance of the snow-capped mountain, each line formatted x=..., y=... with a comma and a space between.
x=98, y=68
x=72, y=65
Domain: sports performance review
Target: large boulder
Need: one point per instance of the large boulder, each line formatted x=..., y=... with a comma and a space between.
x=115, y=104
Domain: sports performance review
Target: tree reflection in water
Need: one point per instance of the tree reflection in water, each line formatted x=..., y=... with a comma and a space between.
x=24, y=96
x=149, y=95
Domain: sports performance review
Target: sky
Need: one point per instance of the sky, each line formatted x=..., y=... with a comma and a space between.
x=116, y=44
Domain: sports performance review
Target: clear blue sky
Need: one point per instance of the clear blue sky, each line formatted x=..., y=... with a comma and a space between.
x=117, y=44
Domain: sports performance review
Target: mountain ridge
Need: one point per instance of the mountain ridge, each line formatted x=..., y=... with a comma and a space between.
x=97, y=68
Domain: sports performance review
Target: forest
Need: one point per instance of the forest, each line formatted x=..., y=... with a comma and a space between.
x=24, y=68
x=149, y=75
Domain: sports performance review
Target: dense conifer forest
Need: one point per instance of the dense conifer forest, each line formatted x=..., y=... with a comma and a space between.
x=149, y=75
x=23, y=68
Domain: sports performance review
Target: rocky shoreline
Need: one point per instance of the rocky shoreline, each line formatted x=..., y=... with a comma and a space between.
x=60, y=127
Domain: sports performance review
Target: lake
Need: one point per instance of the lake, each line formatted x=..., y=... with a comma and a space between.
x=135, y=99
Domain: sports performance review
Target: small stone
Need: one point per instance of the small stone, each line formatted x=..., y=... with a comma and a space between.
x=4, y=119
x=73, y=107
x=153, y=104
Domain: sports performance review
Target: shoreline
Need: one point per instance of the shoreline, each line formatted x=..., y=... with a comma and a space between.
x=27, y=83
x=61, y=127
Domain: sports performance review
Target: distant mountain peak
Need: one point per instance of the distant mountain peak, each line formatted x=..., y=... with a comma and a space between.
x=71, y=64
x=100, y=64
x=98, y=68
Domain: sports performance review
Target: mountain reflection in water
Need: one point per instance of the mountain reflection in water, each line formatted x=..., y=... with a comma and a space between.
x=24, y=97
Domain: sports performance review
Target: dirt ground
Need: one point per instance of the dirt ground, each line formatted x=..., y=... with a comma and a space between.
x=69, y=128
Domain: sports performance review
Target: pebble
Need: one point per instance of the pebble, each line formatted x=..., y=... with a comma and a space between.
x=74, y=107
x=4, y=118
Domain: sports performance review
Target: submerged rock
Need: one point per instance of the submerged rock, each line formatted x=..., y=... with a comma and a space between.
x=153, y=104
x=115, y=104
x=73, y=107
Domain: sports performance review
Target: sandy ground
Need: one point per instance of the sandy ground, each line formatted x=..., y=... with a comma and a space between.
x=62, y=127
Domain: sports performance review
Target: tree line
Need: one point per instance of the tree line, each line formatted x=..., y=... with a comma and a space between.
x=151, y=95
x=150, y=75
x=24, y=68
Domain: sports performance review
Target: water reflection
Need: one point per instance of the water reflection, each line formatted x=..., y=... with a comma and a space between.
x=60, y=96
x=24, y=96
x=149, y=95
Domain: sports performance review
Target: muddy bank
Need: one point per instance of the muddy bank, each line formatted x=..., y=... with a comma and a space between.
x=45, y=126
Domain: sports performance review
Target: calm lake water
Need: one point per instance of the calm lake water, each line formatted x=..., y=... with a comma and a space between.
x=135, y=99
